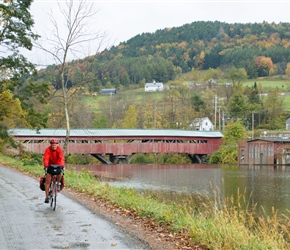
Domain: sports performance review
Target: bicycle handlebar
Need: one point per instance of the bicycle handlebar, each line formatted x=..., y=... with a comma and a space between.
x=55, y=166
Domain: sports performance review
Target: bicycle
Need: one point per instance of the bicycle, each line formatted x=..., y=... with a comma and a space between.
x=54, y=187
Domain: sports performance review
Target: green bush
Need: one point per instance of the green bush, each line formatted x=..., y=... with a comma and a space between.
x=31, y=159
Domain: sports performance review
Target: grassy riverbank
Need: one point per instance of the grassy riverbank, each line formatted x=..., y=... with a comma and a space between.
x=222, y=224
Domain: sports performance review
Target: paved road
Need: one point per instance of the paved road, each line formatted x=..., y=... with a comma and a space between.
x=26, y=222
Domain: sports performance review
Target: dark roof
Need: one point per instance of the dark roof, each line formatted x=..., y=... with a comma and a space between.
x=272, y=139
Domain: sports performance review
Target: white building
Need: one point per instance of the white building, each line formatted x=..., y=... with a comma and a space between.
x=154, y=86
x=203, y=124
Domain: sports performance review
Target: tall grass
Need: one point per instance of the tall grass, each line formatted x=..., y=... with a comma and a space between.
x=231, y=223
x=219, y=223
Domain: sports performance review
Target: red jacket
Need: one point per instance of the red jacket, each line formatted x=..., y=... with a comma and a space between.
x=53, y=157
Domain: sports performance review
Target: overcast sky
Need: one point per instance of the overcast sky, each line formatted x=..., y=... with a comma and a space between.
x=122, y=20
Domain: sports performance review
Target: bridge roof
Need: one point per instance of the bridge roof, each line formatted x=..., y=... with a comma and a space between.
x=121, y=133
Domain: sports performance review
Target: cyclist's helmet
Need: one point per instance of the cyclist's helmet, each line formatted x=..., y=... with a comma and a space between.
x=54, y=141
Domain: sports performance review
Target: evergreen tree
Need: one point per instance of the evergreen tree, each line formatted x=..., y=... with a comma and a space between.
x=253, y=95
x=238, y=106
x=197, y=102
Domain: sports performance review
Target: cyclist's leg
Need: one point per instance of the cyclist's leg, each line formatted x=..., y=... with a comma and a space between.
x=47, y=185
x=58, y=178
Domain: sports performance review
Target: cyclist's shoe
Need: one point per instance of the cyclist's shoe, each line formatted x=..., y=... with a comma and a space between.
x=59, y=187
x=46, y=200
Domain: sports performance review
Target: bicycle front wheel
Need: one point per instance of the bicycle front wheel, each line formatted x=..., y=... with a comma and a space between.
x=53, y=195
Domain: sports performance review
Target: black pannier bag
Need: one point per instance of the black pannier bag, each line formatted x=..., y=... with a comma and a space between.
x=42, y=183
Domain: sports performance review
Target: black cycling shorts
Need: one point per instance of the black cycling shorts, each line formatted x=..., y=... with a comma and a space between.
x=54, y=170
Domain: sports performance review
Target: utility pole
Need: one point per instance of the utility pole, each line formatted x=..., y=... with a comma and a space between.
x=219, y=118
x=223, y=120
x=215, y=110
x=252, y=125
x=154, y=114
x=253, y=121
x=111, y=113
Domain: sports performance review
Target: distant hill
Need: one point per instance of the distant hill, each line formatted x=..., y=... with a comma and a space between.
x=261, y=49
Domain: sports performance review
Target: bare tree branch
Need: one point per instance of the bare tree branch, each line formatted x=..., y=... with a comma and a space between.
x=72, y=31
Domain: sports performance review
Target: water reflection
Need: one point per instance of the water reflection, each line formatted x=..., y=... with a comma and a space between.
x=265, y=186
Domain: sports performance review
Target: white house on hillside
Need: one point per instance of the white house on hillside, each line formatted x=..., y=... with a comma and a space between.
x=204, y=124
x=154, y=86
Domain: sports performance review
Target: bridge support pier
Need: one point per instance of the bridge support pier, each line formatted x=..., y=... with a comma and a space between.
x=113, y=159
x=121, y=158
x=195, y=158
x=102, y=158
x=129, y=158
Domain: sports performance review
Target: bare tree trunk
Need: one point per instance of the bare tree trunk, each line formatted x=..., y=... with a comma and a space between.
x=68, y=42
x=65, y=105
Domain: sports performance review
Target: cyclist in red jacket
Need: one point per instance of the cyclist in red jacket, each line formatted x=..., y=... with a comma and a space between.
x=52, y=155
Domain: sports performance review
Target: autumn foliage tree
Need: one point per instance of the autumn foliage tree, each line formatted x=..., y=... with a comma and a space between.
x=130, y=120
x=199, y=60
x=11, y=112
x=264, y=65
x=287, y=71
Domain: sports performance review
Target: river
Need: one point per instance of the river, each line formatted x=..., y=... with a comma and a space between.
x=266, y=187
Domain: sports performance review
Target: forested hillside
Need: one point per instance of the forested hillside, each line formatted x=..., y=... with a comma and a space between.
x=204, y=66
x=260, y=49
x=205, y=45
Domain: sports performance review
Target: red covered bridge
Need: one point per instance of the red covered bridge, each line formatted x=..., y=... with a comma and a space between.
x=115, y=145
